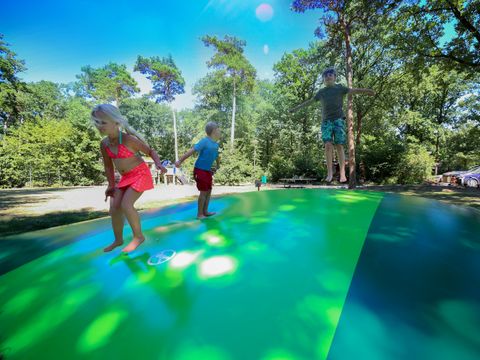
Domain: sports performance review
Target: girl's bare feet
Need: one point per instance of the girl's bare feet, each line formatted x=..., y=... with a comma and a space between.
x=207, y=214
x=201, y=217
x=136, y=242
x=329, y=179
x=113, y=245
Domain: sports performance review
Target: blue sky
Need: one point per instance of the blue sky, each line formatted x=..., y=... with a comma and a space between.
x=56, y=38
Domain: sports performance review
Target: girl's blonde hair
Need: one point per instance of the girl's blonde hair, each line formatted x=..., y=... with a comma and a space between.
x=114, y=114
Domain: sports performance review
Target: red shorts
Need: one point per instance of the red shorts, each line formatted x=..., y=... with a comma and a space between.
x=203, y=178
x=139, y=178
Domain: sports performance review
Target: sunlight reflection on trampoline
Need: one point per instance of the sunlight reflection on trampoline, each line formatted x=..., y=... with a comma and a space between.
x=217, y=266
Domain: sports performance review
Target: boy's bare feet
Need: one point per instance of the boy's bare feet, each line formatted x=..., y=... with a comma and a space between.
x=329, y=179
x=207, y=214
x=136, y=242
x=113, y=245
x=343, y=179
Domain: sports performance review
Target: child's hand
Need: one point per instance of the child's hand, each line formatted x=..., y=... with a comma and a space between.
x=163, y=169
x=214, y=169
x=178, y=164
x=109, y=192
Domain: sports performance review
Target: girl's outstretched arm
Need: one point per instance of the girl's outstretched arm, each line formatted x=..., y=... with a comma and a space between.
x=138, y=145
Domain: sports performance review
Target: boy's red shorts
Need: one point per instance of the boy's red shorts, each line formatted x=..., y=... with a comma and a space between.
x=203, y=179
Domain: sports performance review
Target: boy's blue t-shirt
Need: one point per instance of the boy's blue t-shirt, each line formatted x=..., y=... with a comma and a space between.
x=207, y=153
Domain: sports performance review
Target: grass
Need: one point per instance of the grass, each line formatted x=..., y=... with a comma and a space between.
x=23, y=221
x=451, y=195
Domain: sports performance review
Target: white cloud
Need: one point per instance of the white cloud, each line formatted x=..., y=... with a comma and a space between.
x=184, y=101
x=266, y=49
x=143, y=83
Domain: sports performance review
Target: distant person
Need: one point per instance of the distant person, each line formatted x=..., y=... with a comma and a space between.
x=207, y=150
x=331, y=97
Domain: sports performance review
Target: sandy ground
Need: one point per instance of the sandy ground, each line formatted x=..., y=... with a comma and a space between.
x=41, y=201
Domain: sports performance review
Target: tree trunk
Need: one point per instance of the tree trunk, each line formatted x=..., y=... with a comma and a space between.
x=359, y=129
x=437, y=150
x=175, y=134
x=234, y=107
x=357, y=144
x=352, y=183
x=117, y=98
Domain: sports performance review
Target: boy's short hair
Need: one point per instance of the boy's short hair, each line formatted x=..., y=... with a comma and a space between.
x=211, y=125
x=329, y=71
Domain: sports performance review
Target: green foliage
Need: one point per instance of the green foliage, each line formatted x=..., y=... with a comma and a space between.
x=380, y=156
x=426, y=108
x=152, y=120
x=235, y=169
x=166, y=78
x=50, y=152
x=421, y=26
x=42, y=99
x=281, y=167
x=415, y=165
x=10, y=84
x=229, y=58
x=111, y=82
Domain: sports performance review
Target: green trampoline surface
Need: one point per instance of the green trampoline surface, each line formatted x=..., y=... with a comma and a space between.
x=294, y=274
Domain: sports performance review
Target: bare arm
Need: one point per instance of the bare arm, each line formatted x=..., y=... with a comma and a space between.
x=185, y=157
x=217, y=165
x=108, y=165
x=302, y=105
x=138, y=145
x=355, y=91
x=109, y=172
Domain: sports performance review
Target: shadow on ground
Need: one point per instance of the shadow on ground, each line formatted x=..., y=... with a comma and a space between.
x=452, y=195
x=16, y=224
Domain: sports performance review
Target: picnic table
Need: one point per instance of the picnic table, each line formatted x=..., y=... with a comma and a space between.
x=289, y=182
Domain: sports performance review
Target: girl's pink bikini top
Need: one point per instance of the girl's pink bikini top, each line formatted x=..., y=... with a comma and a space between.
x=122, y=151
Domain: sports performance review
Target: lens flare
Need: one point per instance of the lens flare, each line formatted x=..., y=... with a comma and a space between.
x=264, y=12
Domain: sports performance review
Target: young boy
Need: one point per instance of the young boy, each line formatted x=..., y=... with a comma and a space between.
x=207, y=150
x=333, y=119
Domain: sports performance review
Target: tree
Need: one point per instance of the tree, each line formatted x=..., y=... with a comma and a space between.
x=297, y=77
x=423, y=27
x=153, y=121
x=167, y=82
x=10, y=84
x=230, y=60
x=50, y=152
x=109, y=83
x=41, y=99
x=341, y=19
